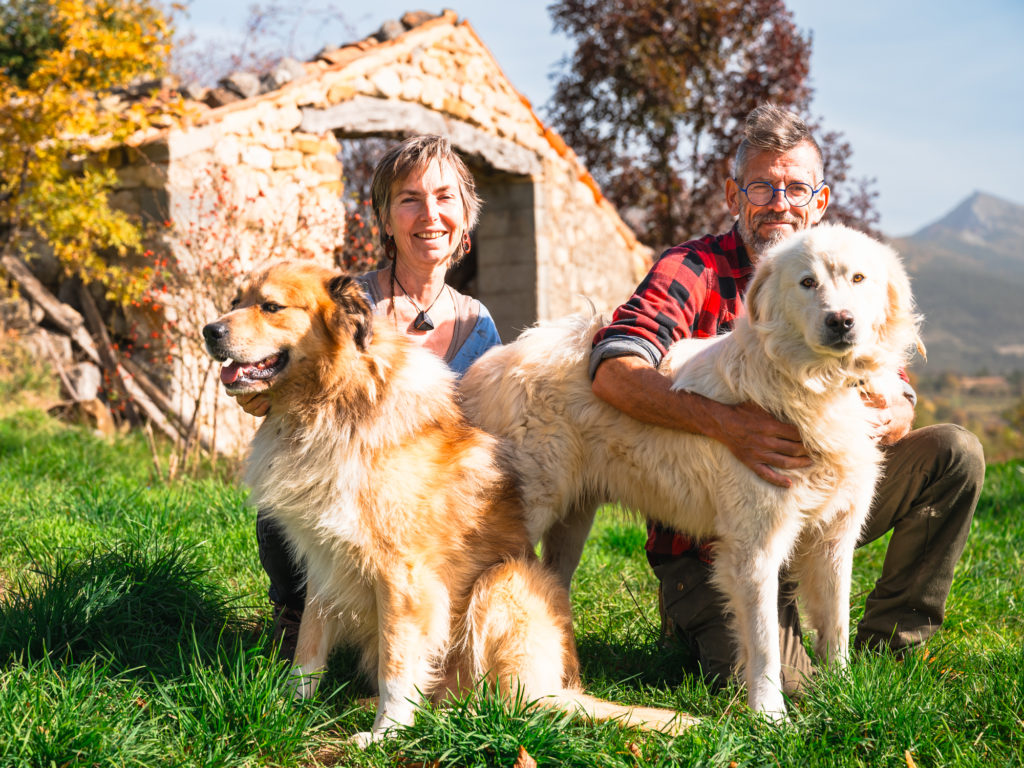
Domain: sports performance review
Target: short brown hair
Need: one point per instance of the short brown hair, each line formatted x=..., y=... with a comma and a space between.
x=414, y=155
x=772, y=129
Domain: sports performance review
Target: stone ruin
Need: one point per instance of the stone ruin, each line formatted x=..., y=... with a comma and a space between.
x=267, y=149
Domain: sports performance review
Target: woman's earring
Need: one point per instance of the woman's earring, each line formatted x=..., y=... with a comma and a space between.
x=466, y=243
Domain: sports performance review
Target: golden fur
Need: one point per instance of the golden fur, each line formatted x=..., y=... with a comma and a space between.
x=412, y=534
x=573, y=452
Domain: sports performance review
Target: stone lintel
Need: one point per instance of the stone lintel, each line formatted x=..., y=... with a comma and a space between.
x=366, y=116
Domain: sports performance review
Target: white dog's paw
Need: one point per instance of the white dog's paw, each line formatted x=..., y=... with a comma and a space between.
x=772, y=707
x=303, y=686
x=835, y=653
x=363, y=739
x=777, y=716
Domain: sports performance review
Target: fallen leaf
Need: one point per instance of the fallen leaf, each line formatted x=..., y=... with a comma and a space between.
x=524, y=760
x=909, y=759
x=635, y=750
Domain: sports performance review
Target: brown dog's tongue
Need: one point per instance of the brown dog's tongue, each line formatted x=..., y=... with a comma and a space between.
x=229, y=372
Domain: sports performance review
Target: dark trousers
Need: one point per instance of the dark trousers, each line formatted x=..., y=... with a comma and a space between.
x=287, y=579
x=931, y=483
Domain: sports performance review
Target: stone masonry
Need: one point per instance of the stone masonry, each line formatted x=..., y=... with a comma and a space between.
x=548, y=242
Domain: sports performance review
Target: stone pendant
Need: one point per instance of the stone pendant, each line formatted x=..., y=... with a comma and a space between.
x=423, y=322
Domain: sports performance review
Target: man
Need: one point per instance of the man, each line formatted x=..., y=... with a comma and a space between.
x=933, y=476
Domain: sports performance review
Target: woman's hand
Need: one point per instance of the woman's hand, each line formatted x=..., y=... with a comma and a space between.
x=255, y=403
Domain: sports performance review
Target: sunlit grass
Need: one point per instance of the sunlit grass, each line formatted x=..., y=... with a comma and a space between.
x=133, y=631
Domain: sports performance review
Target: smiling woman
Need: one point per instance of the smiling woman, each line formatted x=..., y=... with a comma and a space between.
x=425, y=202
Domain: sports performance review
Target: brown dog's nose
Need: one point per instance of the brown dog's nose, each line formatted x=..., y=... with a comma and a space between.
x=215, y=332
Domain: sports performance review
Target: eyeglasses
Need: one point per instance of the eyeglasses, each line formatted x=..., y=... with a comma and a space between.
x=797, y=193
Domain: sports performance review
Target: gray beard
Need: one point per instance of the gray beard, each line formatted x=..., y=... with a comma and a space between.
x=757, y=245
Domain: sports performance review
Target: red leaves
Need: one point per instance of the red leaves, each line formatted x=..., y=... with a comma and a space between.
x=654, y=97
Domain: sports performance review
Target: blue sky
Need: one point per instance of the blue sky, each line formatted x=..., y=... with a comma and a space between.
x=930, y=95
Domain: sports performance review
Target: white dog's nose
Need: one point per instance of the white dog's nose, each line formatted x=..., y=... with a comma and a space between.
x=839, y=328
x=840, y=321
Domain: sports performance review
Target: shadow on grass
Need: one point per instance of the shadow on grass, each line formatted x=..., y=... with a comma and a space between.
x=140, y=606
x=635, y=664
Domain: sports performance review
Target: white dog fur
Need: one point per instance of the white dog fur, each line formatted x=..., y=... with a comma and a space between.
x=574, y=452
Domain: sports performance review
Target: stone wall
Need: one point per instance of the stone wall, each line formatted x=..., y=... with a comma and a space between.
x=259, y=178
x=234, y=192
x=506, y=251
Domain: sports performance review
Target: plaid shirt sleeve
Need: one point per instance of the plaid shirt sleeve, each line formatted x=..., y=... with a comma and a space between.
x=664, y=307
x=693, y=290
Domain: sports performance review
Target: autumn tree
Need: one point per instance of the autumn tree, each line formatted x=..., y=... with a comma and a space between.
x=59, y=63
x=655, y=95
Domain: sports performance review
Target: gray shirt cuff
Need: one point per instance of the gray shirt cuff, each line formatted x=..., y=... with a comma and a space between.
x=623, y=346
x=909, y=393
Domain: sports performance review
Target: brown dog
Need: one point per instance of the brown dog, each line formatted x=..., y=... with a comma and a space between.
x=412, y=534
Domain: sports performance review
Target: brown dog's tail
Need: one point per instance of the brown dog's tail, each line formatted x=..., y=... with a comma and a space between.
x=649, y=718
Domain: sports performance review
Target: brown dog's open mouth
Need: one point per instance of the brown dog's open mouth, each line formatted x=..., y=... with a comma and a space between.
x=236, y=375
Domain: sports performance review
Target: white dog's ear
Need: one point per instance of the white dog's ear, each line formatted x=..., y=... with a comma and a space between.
x=353, y=310
x=756, y=298
x=902, y=323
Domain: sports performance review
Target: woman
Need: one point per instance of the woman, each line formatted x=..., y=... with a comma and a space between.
x=425, y=202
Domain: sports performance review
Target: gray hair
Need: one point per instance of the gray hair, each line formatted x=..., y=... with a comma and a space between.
x=413, y=156
x=772, y=129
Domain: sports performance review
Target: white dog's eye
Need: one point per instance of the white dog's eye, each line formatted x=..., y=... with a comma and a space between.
x=857, y=278
x=809, y=282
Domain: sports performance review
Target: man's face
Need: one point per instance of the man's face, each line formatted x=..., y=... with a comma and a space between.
x=762, y=226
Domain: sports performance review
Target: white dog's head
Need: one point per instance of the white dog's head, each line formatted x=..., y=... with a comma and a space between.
x=831, y=297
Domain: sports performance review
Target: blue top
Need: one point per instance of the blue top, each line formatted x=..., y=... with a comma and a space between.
x=483, y=336
x=466, y=346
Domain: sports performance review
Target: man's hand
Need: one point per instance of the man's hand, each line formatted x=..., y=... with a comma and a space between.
x=759, y=440
x=255, y=404
x=890, y=418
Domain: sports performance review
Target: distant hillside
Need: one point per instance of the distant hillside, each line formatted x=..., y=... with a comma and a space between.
x=968, y=276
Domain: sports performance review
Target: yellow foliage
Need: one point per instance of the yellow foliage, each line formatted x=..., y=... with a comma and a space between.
x=51, y=121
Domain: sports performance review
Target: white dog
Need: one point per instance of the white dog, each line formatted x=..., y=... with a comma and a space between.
x=830, y=318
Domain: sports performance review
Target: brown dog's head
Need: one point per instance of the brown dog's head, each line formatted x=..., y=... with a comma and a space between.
x=284, y=322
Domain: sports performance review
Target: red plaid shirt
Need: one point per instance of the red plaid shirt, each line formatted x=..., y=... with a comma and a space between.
x=694, y=290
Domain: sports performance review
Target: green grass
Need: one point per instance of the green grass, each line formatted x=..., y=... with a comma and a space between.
x=133, y=633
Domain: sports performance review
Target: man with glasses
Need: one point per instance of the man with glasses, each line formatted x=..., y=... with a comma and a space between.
x=933, y=476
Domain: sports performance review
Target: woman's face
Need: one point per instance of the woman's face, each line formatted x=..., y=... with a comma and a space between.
x=426, y=216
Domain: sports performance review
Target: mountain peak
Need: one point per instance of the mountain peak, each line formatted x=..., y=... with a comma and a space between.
x=968, y=273
x=981, y=218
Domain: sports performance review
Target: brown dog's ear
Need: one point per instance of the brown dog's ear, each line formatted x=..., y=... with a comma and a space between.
x=348, y=295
